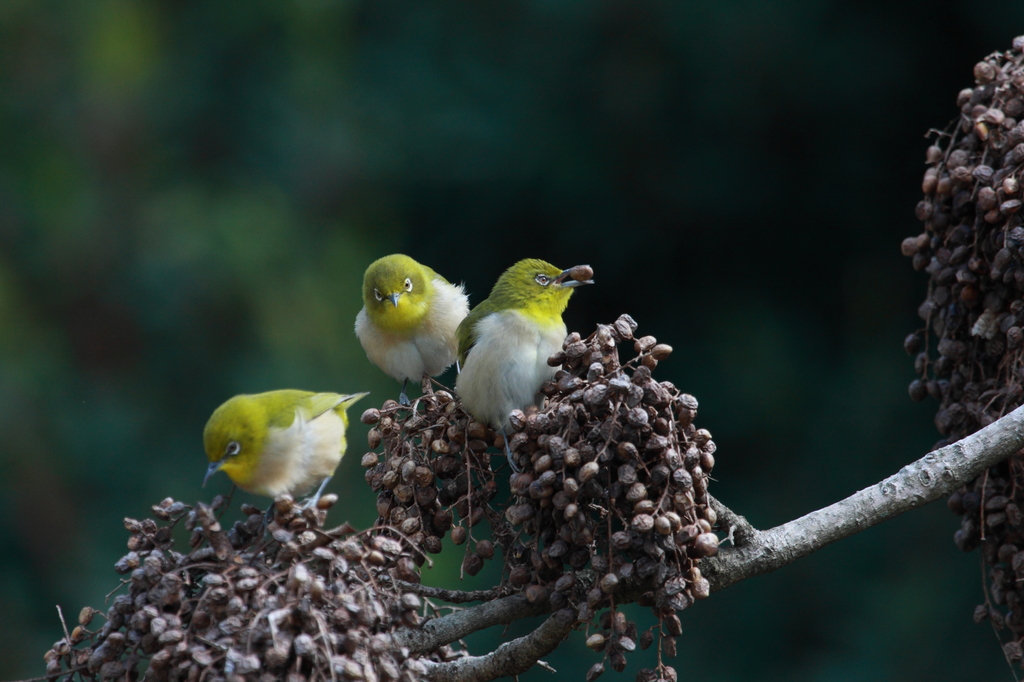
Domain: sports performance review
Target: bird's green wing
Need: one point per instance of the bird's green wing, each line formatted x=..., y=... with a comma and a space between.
x=466, y=332
x=321, y=402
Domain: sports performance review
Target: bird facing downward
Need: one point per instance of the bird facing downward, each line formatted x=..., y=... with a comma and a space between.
x=278, y=442
x=505, y=342
x=409, y=317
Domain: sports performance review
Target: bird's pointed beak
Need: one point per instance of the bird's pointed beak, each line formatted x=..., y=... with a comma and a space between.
x=394, y=299
x=563, y=280
x=210, y=471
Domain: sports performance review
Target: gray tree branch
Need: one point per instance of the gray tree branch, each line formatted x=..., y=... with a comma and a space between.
x=511, y=658
x=453, y=627
x=935, y=475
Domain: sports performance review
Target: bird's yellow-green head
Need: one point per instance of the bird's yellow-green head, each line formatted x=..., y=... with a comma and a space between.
x=534, y=287
x=237, y=431
x=397, y=292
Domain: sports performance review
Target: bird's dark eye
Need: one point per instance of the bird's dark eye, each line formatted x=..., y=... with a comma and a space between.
x=232, y=449
x=543, y=280
x=408, y=284
x=377, y=294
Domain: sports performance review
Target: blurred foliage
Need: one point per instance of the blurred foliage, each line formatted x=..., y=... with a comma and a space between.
x=189, y=192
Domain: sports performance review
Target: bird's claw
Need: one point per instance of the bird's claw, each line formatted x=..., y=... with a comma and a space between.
x=403, y=399
x=508, y=454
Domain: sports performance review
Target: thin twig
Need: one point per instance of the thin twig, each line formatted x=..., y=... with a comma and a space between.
x=450, y=596
x=739, y=529
x=64, y=625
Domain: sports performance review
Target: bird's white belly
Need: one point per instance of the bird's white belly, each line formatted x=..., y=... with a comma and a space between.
x=429, y=350
x=507, y=365
x=298, y=458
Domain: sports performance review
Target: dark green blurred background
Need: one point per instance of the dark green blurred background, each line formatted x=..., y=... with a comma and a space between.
x=190, y=191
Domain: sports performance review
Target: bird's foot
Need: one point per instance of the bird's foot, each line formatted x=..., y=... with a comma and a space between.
x=403, y=399
x=508, y=454
x=311, y=502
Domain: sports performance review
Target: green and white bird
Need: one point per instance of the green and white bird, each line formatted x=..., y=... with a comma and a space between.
x=278, y=442
x=409, y=318
x=505, y=342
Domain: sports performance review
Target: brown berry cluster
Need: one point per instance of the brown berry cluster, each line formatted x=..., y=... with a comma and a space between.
x=972, y=247
x=296, y=603
x=435, y=466
x=611, y=505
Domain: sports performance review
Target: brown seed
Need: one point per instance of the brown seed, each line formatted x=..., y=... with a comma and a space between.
x=643, y=522
x=987, y=198
x=661, y=351
x=472, y=563
x=706, y=544
x=1014, y=338
x=701, y=589
x=984, y=72
x=644, y=343
x=542, y=464
x=557, y=359
x=588, y=471
x=644, y=507
x=519, y=575
x=370, y=416
x=458, y=535
x=520, y=513
x=575, y=350
x=370, y=460
x=908, y=247
x=423, y=476
x=536, y=594
x=581, y=273
x=327, y=501
x=477, y=430
x=609, y=583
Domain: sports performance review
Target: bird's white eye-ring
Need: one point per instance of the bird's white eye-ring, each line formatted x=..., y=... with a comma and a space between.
x=408, y=284
x=543, y=280
x=377, y=294
x=232, y=449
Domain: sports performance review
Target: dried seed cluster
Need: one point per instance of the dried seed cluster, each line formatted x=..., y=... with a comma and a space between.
x=301, y=603
x=972, y=247
x=613, y=493
x=434, y=467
